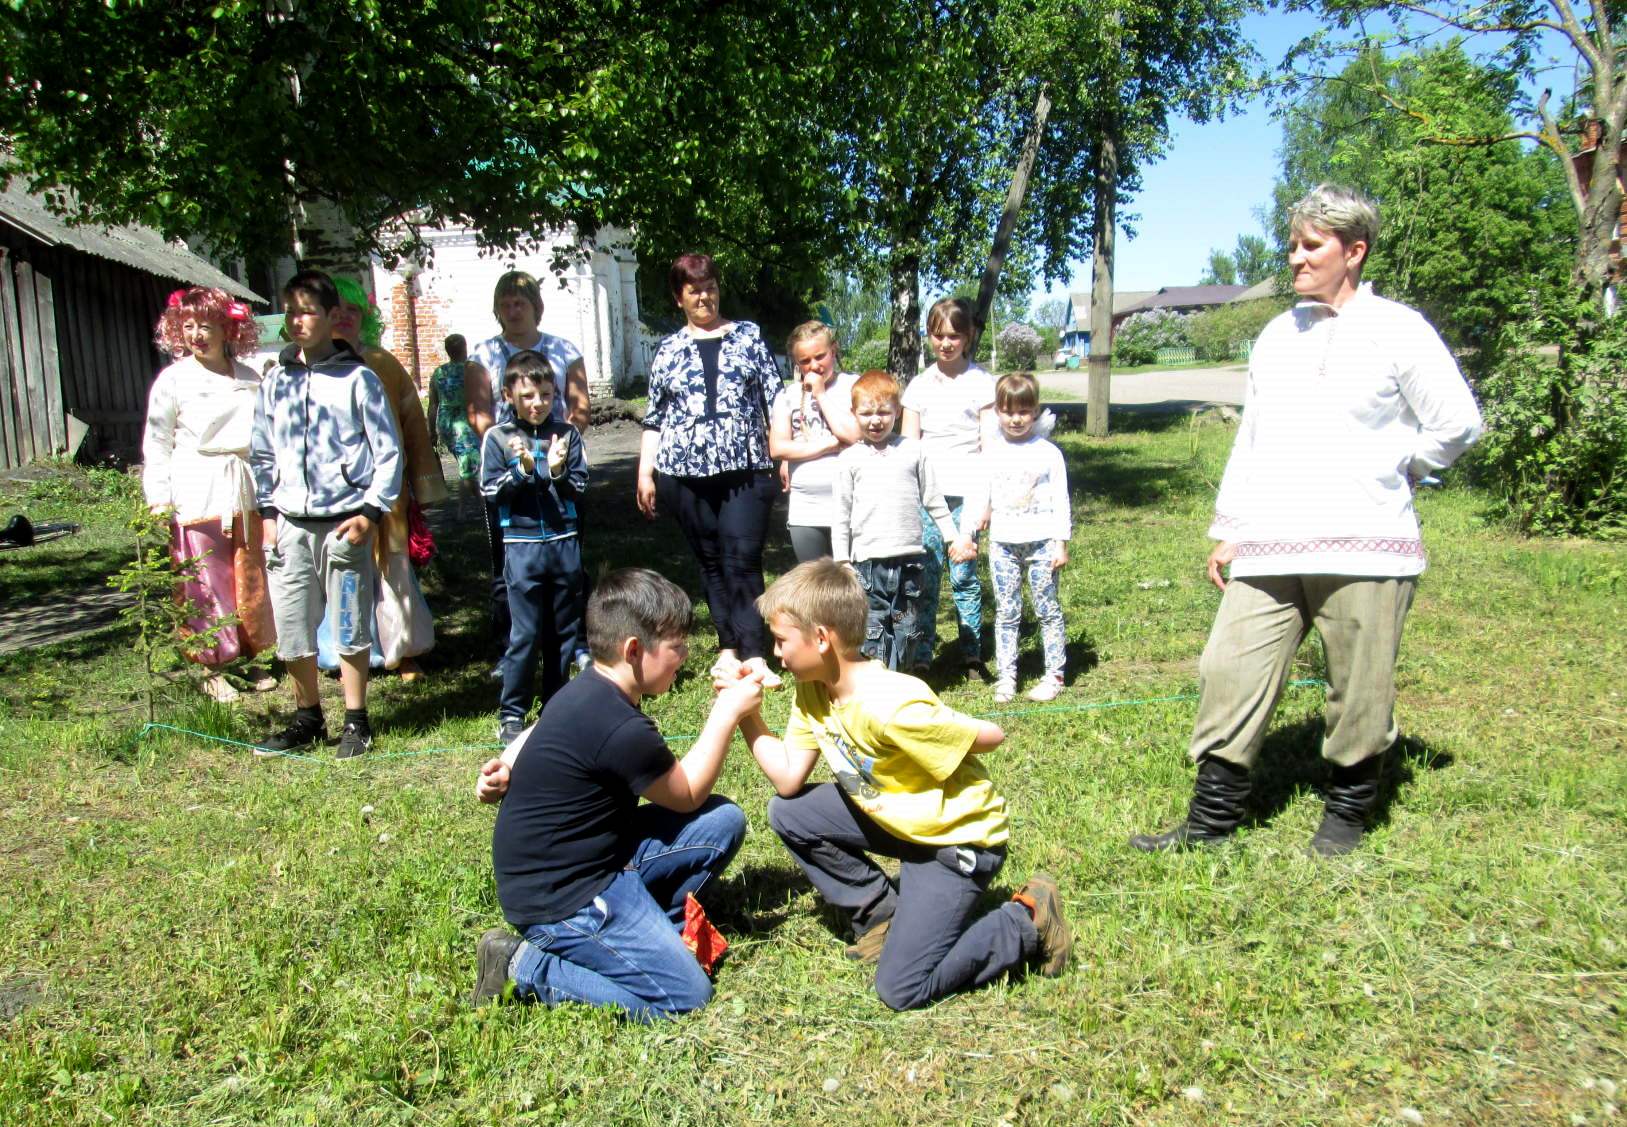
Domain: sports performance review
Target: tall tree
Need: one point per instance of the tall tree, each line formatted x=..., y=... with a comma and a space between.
x=1517, y=38
x=1470, y=232
x=1222, y=270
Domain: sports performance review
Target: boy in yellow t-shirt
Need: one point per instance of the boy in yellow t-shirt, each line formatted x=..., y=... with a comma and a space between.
x=909, y=784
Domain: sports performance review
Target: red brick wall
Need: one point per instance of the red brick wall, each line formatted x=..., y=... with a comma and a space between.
x=432, y=330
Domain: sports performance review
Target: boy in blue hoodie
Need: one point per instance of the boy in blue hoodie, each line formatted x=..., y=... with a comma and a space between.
x=533, y=471
x=325, y=455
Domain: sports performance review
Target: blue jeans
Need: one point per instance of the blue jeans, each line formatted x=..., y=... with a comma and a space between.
x=622, y=949
x=964, y=587
x=893, y=593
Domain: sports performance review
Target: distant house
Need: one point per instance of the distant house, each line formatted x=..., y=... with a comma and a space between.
x=1076, y=326
x=1180, y=299
x=77, y=310
x=593, y=303
x=1265, y=287
x=1177, y=299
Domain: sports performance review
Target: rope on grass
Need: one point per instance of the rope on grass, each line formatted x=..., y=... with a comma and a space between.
x=1092, y=706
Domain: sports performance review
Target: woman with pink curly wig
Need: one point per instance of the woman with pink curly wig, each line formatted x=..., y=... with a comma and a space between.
x=195, y=452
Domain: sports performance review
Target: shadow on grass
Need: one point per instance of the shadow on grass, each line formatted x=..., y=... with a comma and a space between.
x=755, y=900
x=1291, y=763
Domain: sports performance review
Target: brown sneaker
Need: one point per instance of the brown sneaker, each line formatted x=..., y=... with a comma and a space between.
x=492, y=955
x=867, y=947
x=1040, y=897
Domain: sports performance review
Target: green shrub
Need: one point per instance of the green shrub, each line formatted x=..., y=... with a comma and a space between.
x=1217, y=333
x=1555, y=446
x=867, y=355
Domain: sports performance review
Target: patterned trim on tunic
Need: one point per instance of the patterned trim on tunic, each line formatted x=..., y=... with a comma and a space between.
x=1344, y=544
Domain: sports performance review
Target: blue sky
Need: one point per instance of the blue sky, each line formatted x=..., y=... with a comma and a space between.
x=1204, y=191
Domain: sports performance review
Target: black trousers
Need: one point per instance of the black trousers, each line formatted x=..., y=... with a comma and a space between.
x=725, y=520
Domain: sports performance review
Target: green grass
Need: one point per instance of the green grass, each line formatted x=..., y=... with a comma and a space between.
x=192, y=936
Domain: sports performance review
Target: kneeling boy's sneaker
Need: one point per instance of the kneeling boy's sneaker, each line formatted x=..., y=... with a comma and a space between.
x=1040, y=897
x=510, y=730
x=353, y=741
x=301, y=733
x=867, y=947
x=492, y=956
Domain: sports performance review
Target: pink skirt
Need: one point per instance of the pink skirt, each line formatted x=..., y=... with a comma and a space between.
x=229, y=579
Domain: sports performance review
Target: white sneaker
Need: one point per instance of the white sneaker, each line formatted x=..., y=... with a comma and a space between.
x=1048, y=688
x=1004, y=690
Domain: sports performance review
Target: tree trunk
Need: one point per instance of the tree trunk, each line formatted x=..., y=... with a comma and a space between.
x=1600, y=212
x=1101, y=286
x=904, y=338
x=324, y=239
x=1014, y=202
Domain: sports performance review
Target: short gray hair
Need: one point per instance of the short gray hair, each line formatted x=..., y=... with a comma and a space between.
x=1339, y=211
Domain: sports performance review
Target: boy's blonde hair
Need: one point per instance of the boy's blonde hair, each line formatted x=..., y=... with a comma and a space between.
x=820, y=593
x=874, y=385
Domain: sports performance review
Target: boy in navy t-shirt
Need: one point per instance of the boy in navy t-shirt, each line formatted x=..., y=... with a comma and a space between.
x=594, y=881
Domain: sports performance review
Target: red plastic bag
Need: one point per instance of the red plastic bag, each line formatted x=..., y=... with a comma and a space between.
x=704, y=941
x=420, y=541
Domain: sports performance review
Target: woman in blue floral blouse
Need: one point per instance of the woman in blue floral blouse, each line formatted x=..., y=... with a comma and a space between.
x=704, y=457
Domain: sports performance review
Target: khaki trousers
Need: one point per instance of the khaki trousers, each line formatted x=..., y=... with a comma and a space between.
x=1262, y=620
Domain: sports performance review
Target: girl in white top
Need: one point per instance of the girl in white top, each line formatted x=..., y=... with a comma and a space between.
x=195, y=453
x=1023, y=496
x=950, y=408
x=808, y=429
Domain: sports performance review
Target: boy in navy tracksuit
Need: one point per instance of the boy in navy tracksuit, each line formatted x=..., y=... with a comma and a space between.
x=534, y=470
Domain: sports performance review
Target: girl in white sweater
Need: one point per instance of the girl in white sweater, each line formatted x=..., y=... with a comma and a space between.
x=1023, y=494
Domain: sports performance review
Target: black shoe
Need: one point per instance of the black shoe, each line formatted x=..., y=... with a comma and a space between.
x=299, y=735
x=510, y=730
x=492, y=955
x=975, y=670
x=1216, y=808
x=353, y=741
x=1351, y=794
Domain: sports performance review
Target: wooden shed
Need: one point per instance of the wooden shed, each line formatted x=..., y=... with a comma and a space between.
x=77, y=309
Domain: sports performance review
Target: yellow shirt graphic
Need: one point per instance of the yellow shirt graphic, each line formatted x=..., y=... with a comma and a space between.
x=900, y=754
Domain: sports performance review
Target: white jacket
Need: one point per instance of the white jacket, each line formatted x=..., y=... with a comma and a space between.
x=196, y=447
x=1345, y=408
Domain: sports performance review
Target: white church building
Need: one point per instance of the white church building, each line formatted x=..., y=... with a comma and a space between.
x=593, y=303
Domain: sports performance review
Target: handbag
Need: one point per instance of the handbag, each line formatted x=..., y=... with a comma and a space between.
x=420, y=540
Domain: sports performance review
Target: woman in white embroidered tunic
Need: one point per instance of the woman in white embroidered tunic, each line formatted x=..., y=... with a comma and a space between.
x=1351, y=400
x=195, y=468
x=704, y=456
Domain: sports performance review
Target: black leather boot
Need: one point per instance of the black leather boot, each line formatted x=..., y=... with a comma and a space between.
x=1217, y=806
x=1351, y=794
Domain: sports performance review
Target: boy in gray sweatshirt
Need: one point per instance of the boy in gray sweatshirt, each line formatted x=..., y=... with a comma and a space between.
x=883, y=482
x=325, y=454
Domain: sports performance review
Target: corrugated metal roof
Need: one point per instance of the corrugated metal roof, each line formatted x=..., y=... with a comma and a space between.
x=138, y=247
